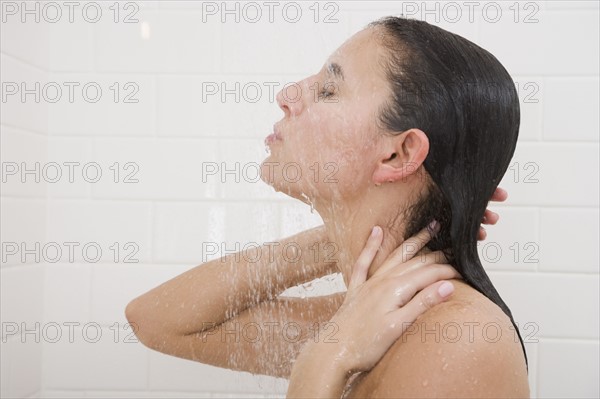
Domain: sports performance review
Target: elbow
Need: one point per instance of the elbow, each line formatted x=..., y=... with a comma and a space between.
x=148, y=332
x=135, y=319
x=131, y=313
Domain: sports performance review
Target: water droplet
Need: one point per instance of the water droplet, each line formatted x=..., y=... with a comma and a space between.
x=425, y=383
x=439, y=351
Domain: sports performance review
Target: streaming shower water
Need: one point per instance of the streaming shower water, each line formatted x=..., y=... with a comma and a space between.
x=312, y=206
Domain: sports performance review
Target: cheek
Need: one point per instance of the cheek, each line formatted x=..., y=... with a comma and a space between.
x=344, y=158
x=356, y=164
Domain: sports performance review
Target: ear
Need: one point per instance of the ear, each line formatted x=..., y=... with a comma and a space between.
x=406, y=153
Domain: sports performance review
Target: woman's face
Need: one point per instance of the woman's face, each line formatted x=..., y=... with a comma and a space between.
x=328, y=146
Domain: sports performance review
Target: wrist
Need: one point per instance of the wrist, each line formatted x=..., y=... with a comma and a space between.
x=332, y=354
x=318, y=371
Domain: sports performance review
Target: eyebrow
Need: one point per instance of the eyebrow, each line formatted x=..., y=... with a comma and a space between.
x=336, y=70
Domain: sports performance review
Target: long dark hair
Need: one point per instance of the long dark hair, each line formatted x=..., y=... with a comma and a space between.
x=465, y=101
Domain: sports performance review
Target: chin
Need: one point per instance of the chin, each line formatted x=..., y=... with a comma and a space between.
x=291, y=189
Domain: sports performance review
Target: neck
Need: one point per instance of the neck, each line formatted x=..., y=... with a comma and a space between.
x=348, y=225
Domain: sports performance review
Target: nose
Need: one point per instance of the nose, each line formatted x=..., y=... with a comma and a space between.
x=290, y=100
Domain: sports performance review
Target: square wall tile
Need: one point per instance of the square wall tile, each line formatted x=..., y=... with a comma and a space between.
x=568, y=369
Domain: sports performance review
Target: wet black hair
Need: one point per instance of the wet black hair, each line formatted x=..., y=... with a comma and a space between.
x=466, y=103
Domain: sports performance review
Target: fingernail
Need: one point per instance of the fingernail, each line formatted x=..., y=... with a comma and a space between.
x=434, y=226
x=445, y=289
x=375, y=231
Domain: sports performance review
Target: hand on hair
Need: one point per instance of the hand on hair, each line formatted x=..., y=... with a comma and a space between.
x=490, y=217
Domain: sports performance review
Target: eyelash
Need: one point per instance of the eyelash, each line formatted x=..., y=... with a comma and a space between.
x=325, y=94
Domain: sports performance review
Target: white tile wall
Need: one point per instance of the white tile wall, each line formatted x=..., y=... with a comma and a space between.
x=22, y=323
x=101, y=230
x=554, y=174
x=21, y=151
x=560, y=247
x=24, y=109
x=571, y=109
x=67, y=297
x=161, y=169
x=546, y=268
x=536, y=298
x=530, y=89
x=576, y=359
x=103, y=105
x=95, y=356
x=167, y=373
x=33, y=44
x=204, y=105
x=23, y=140
x=179, y=42
x=507, y=248
x=279, y=51
x=74, y=157
x=23, y=366
x=545, y=46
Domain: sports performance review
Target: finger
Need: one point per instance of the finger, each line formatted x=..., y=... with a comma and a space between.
x=409, y=248
x=424, y=260
x=499, y=195
x=432, y=295
x=481, y=234
x=407, y=285
x=363, y=263
x=490, y=217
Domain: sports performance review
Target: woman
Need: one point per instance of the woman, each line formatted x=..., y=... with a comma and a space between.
x=410, y=123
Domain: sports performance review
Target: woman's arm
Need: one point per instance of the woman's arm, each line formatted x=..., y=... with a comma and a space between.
x=236, y=289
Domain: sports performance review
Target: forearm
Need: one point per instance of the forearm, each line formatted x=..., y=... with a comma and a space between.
x=318, y=372
x=215, y=291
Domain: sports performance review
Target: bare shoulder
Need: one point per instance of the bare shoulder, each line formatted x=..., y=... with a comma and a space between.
x=464, y=347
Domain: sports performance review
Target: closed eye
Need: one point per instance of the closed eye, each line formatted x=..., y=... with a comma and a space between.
x=328, y=90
